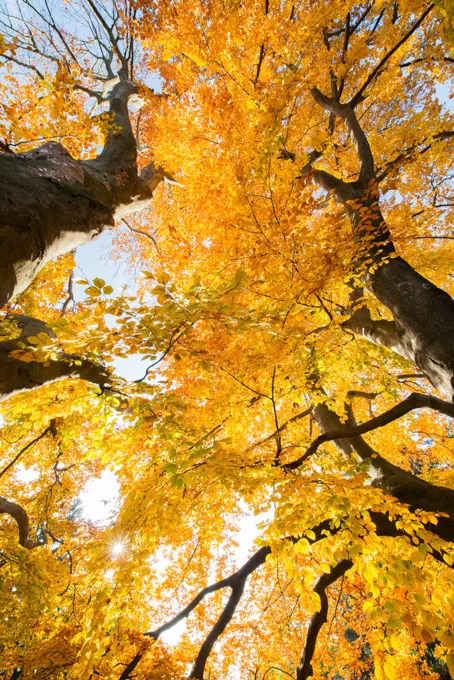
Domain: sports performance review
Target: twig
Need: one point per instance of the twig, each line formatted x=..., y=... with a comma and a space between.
x=25, y=449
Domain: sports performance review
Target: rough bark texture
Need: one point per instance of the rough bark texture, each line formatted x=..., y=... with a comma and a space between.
x=380, y=332
x=423, y=328
x=51, y=203
x=423, y=314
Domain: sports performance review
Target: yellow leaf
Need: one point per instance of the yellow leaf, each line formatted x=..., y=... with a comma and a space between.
x=389, y=669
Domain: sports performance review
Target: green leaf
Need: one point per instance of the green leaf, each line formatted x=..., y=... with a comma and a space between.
x=240, y=276
x=177, y=481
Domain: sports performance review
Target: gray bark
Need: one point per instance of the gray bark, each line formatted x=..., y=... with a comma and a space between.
x=51, y=203
x=380, y=332
x=423, y=314
x=423, y=328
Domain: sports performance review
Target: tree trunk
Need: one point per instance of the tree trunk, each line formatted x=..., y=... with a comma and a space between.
x=51, y=203
x=423, y=314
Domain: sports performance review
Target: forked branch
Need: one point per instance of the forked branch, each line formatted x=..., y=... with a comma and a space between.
x=38, y=39
x=383, y=527
x=412, y=402
x=236, y=582
x=347, y=114
x=318, y=619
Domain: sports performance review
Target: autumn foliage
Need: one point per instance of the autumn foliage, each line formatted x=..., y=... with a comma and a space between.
x=284, y=461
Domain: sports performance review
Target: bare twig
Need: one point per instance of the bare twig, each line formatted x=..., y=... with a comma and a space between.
x=359, y=96
x=34, y=441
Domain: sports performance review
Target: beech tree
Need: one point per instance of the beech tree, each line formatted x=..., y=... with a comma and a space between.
x=296, y=316
x=51, y=202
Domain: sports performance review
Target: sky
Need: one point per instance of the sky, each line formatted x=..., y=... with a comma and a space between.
x=94, y=260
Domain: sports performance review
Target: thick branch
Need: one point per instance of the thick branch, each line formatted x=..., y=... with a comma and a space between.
x=341, y=190
x=120, y=148
x=403, y=485
x=383, y=527
x=347, y=114
x=236, y=582
x=250, y=566
x=18, y=513
x=380, y=332
x=423, y=313
x=218, y=629
x=18, y=376
x=318, y=619
x=413, y=401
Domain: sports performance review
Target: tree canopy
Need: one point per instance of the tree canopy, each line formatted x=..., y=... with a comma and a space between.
x=284, y=463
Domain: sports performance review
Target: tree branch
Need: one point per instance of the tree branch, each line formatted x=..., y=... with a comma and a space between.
x=347, y=114
x=140, y=232
x=279, y=431
x=318, y=619
x=380, y=332
x=359, y=96
x=113, y=40
x=259, y=64
x=18, y=376
x=248, y=568
x=18, y=513
x=413, y=401
x=49, y=429
x=408, y=153
x=70, y=293
x=383, y=527
x=120, y=148
x=218, y=628
x=236, y=582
